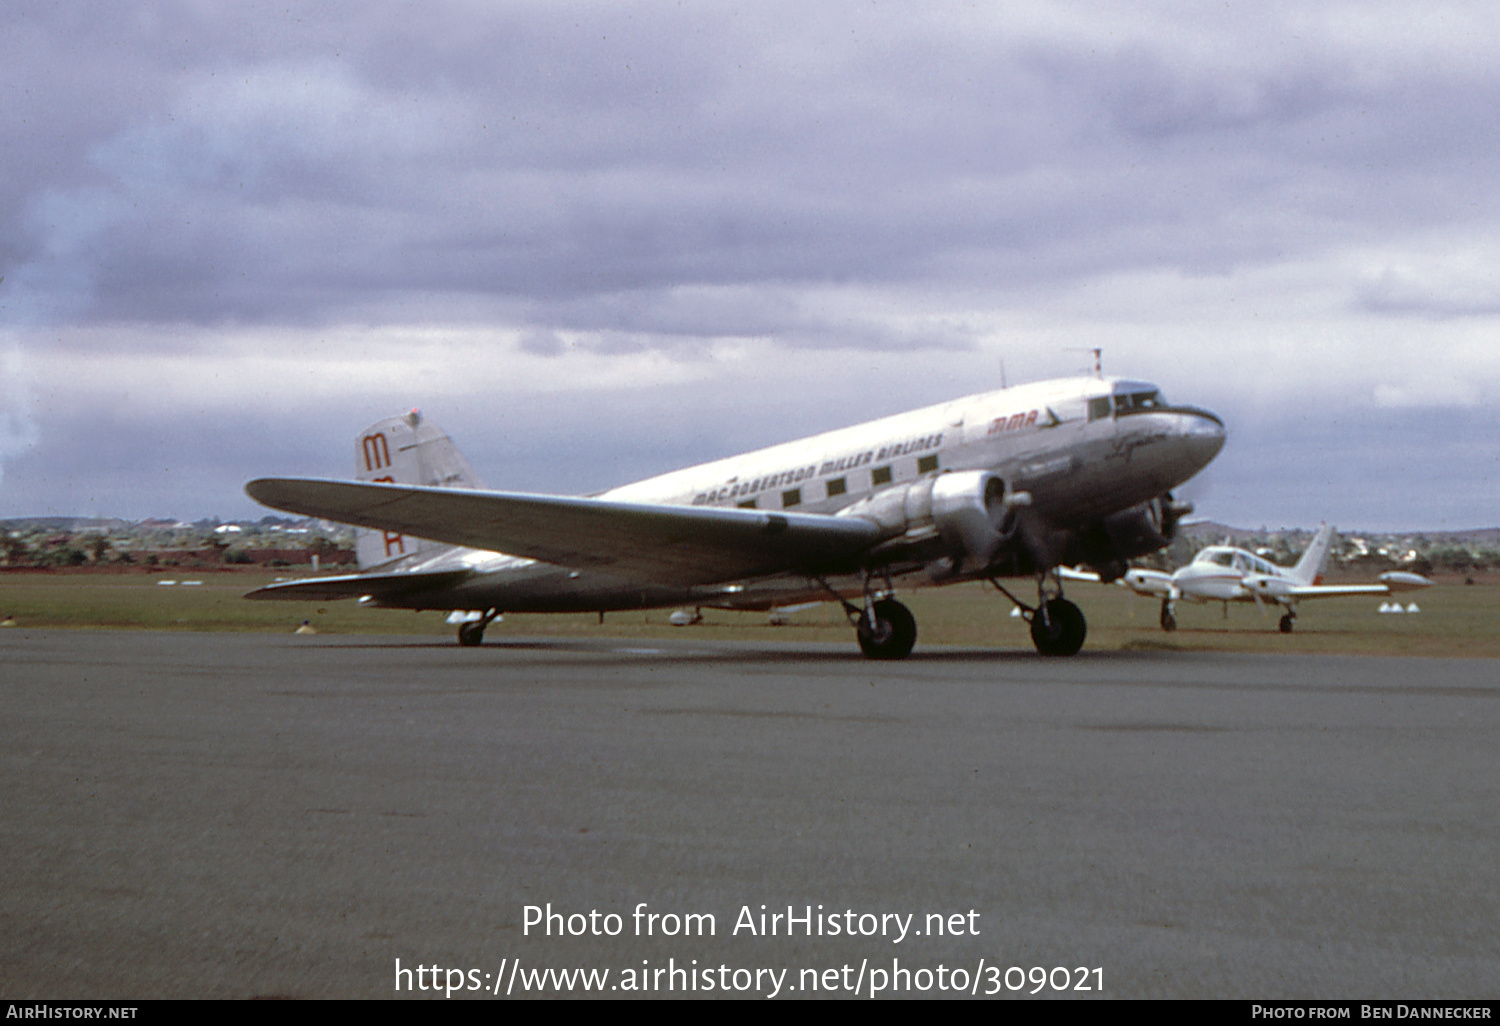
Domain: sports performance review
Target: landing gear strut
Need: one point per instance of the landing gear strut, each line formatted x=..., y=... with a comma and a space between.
x=472, y=633
x=884, y=628
x=1168, y=619
x=1058, y=626
x=887, y=630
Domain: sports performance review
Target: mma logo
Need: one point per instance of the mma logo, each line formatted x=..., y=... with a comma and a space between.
x=377, y=451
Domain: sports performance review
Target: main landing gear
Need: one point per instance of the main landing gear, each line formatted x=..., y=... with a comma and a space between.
x=884, y=628
x=1168, y=619
x=1058, y=626
x=1287, y=619
x=471, y=633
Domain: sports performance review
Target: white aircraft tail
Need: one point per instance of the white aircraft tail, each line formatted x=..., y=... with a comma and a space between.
x=406, y=450
x=1309, y=569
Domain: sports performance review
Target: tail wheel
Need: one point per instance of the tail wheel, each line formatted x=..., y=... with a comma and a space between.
x=1058, y=628
x=892, y=634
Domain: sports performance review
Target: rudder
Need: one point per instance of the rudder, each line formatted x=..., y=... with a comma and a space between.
x=406, y=450
x=1309, y=569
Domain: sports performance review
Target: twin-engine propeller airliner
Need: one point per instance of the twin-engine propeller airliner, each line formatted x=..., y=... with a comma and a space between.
x=1014, y=483
x=1223, y=573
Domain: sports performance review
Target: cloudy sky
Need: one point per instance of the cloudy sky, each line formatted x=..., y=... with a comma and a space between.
x=599, y=241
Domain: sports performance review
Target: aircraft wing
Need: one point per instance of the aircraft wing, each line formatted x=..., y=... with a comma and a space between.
x=1280, y=589
x=330, y=589
x=640, y=541
x=1311, y=591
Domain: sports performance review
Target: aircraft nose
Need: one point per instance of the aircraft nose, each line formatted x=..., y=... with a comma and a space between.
x=1202, y=434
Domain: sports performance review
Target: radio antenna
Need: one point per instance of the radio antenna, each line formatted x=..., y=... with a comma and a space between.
x=1098, y=359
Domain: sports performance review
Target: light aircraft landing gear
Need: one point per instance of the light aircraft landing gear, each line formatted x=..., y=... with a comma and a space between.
x=1286, y=622
x=1168, y=619
x=1058, y=626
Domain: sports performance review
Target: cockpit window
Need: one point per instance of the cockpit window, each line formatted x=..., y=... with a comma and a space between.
x=1135, y=401
x=1223, y=558
x=1099, y=407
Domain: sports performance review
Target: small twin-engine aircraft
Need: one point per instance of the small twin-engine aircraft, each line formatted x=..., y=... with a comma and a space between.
x=1014, y=483
x=1221, y=573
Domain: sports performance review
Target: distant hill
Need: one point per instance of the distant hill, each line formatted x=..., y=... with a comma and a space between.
x=1210, y=531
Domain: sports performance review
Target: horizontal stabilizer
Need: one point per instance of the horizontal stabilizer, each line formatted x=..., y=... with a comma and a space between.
x=649, y=542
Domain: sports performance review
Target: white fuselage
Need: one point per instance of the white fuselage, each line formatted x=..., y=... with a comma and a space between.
x=1077, y=449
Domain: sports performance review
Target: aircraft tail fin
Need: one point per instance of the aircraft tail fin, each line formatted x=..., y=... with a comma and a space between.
x=1309, y=569
x=406, y=450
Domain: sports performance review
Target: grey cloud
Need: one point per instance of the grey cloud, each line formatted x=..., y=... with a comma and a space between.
x=559, y=156
x=644, y=177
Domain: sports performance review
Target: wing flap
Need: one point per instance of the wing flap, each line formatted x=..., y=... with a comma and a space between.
x=641, y=541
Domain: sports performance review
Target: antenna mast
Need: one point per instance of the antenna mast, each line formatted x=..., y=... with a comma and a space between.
x=1098, y=359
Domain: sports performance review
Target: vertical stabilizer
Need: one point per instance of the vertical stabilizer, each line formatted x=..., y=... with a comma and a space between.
x=406, y=450
x=1309, y=569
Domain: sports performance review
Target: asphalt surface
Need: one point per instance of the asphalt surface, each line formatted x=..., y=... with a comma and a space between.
x=202, y=815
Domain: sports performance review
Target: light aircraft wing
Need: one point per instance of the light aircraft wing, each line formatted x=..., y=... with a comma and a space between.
x=652, y=542
x=1311, y=591
x=1280, y=589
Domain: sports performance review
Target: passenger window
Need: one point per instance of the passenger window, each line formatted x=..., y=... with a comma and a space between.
x=747, y=504
x=1099, y=408
x=791, y=498
x=880, y=476
x=927, y=464
x=838, y=486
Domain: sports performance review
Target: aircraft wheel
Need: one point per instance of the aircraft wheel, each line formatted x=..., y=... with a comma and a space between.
x=894, y=633
x=470, y=634
x=1286, y=624
x=1168, y=621
x=1063, y=631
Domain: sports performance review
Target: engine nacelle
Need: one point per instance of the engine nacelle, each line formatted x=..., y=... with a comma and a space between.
x=1277, y=589
x=1145, y=528
x=954, y=521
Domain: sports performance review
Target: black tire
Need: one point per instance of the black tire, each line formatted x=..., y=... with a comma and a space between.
x=1061, y=632
x=1168, y=621
x=894, y=633
x=470, y=634
x=1286, y=624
